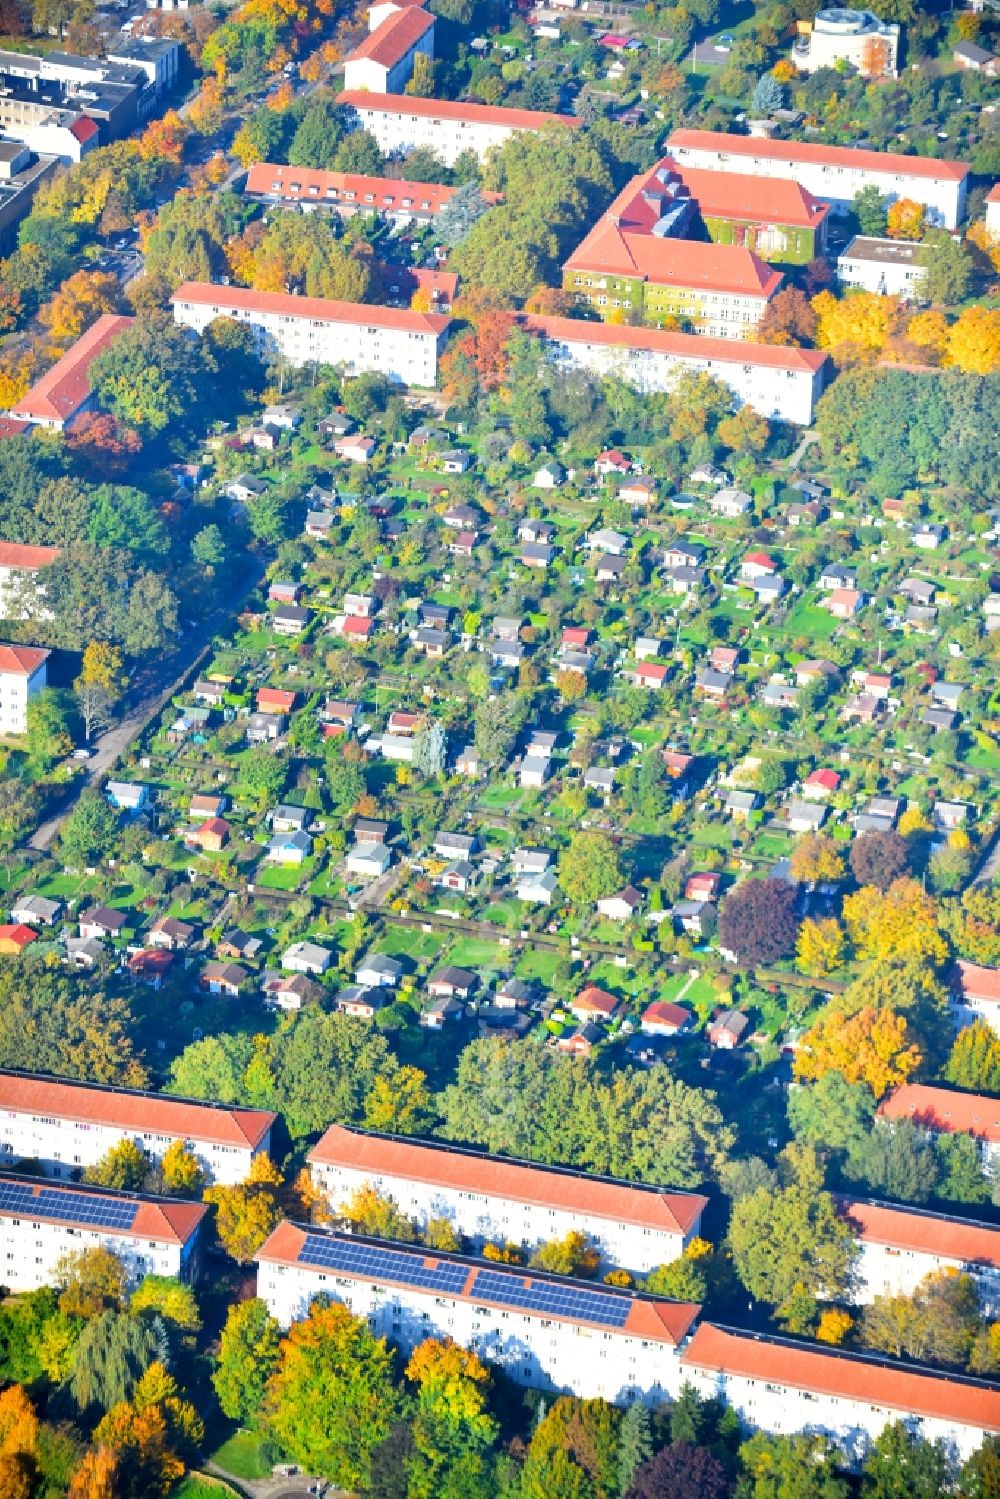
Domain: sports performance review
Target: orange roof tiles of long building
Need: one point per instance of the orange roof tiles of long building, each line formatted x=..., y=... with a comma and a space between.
x=317, y=309
x=492, y=1176
x=397, y=35
x=975, y=981
x=33, y=1093
x=921, y=1232
x=658, y=1321
x=944, y=1109
x=846, y=1376
x=13, y=554
x=21, y=660
x=814, y=154
x=63, y=389
x=337, y=187
x=682, y=345
x=732, y=195
x=673, y=262
x=171, y=1220
x=453, y=109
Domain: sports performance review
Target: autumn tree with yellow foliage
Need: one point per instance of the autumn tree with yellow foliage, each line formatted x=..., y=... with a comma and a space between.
x=856, y=327
x=906, y=219
x=973, y=344
x=901, y=923
x=79, y=302
x=247, y=1213
x=820, y=946
x=872, y=1046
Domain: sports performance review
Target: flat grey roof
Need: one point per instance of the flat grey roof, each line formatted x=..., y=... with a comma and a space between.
x=887, y=251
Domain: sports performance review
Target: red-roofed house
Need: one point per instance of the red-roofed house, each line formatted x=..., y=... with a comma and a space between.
x=19, y=584
x=623, y=267
x=778, y=1385
x=593, y=1004
x=758, y=565
x=22, y=674
x=383, y=62
x=651, y=674
x=348, y=193
x=664, y=1019
x=976, y=994
x=832, y=173
x=392, y=341
x=899, y=1246
x=844, y=603
x=492, y=1197
x=608, y=1343
x=64, y=391
x=400, y=123
x=69, y=1126
x=779, y=383
x=819, y=784
x=14, y=939
x=275, y=700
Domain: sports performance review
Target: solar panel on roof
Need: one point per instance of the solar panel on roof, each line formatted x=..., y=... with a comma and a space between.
x=14, y=1197
x=82, y=1207
x=372, y=1261
x=552, y=1299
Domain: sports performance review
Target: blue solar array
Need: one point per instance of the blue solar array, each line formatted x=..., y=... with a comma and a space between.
x=552, y=1298
x=67, y=1206
x=369, y=1261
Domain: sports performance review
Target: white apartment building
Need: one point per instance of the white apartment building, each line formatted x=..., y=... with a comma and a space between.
x=840, y=34
x=783, y=1387
x=395, y=342
x=22, y=674
x=993, y=211
x=782, y=384
x=40, y=1223
x=943, y=1111
x=546, y=1331
x=890, y=267
x=490, y=1199
x=975, y=994
x=383, y=63
x=898, y=1247
x=400, y=123
x=20, y=587
x=833, y=173
x=68, y=1126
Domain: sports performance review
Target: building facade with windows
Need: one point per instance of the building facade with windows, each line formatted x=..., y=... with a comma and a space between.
x=833, y=173
x=782, y=384
x=347, y=193
x=547, y=1332
x=842, y=34
x=384, y=61
x=784, y=1387
x=401, y=123
x=891, y=267
x=40, y=1223
x=898, y=1247
x=23, y=671
x=68, y=1126
x=490, y=1199
x=395, y=342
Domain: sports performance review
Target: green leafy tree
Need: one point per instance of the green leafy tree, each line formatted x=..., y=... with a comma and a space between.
x=262, y=776
x=332, y=1401
x=325, y=1068
x=48, y=736
x=901, y=1462
x=113, y=1353
x=208, y=549
x=938, y=1323
x=571, y=1255
x=248, y=1356
x=589, y=867
x=49, y=1024
x=574, y=1451
x=452, y=1429
x=792, y=1239
x=123, y=1166
x=974, y=1062
x=635, y=1444
x=961, y=1167
x=948, y=268
x=808, y=1467
x=871, y=211
x=169, y=1298
x=895, y=1160
x=497, y=724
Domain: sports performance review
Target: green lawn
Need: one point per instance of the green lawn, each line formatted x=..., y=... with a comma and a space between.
x=810, y=620
x=193, y=1487
x=244, y=1455
x=506, y=913
x=539, y=963
x=284, y=876
x=475, y=952
x=408, y=942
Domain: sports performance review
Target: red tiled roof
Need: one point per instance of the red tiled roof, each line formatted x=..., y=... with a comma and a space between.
x=923, y=1233
x=63, y=389
x=655, y=670
x=317, y=309
x=847, y=1376
x=19, y=934
x=337, y=187
x=993, y=196
x=84, y=129
x=682, y=345
x=812, y=154
x=171, y=1221
x=27, y=1093
x=356, y=624
x=983, y=983
x=9, y=427
x=13, y=554
x=662, y=1012
x=450, y=109
x=397, y=35
x=723, y=195
x=673, y=262
x=945, y=1110
x=598, y=1001
x=492, y=1176
x=275, y=697
x=656, y=1321
x=21, y=660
